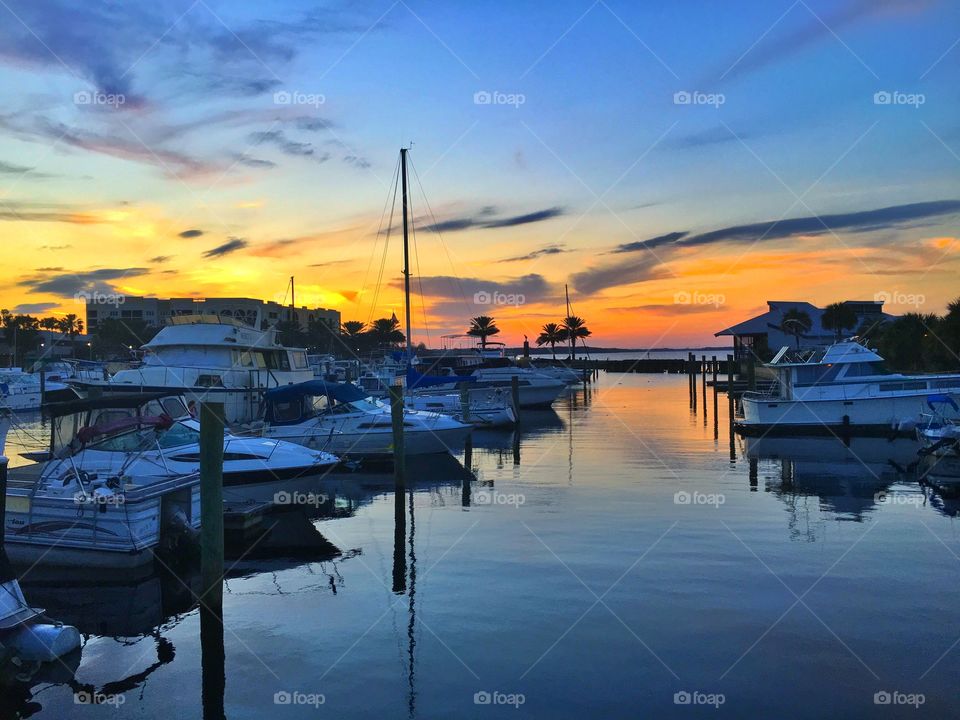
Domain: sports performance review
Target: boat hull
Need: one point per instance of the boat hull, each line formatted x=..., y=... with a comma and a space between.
x=60, y=531
x=374, y=443
x=876, y=413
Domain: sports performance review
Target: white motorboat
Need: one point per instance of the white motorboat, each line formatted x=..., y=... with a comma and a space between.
x=559, y=372
x=843, y=386
x=486, y=407
x=216, y=358
x=20, y=390
x=940, y=437
x=342, y=418
x=143, y=444
x=536, y=390
x=67, y=513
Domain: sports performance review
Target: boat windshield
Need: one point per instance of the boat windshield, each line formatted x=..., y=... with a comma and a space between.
x=142, y=438
x=369, y=405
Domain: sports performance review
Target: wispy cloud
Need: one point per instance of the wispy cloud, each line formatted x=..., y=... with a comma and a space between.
x=482, y=219
x=534, y=254
x=192, y=233
x=226, y=248
x=68, y=285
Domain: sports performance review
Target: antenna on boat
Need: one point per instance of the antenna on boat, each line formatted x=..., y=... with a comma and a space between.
x=293, y=299
x=566, y=290
x=406, y=247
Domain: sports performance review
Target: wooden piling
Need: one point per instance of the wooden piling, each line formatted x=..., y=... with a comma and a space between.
x=703, y=368
x=43, y=387
x=3, y=503
x=465, y=402
x=399, y=451
x=400, y=491
x=211, y=504
x=730, y=398
x=515, y=396
x=752, y=372
x=716, y=416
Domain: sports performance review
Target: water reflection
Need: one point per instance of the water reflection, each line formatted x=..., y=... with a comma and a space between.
x=849, y=479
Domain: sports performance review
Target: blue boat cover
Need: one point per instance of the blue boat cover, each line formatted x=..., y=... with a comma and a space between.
x=943, y=398
x=341, y=392
x=416, y=379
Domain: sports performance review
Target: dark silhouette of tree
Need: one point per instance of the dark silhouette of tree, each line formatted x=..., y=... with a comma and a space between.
x=575, y=329
x=551, y=334
x=483, y=326
x=796, y=322
x=838, y=317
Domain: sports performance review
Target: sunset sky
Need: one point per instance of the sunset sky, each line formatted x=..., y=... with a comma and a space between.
x=677, y=164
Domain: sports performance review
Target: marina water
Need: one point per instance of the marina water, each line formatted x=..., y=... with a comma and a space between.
x=629, y=566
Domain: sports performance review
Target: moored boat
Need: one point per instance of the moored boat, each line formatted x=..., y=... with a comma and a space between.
x=844, y=387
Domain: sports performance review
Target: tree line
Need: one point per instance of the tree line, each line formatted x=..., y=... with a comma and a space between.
x=914, y=342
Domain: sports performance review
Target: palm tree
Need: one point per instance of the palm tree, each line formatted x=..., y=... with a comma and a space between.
x=574, y=328
x=386, y=331
x=796, y=322
x=353, y=329
x=71, y=326
x=551, y=335
x=483, y=326
x=838, y=317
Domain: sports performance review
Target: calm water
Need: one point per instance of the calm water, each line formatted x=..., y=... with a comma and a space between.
x=626, y=559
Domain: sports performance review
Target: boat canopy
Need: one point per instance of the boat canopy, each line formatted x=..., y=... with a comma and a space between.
x=341, y=392
x=419, y=380
x=107, y=401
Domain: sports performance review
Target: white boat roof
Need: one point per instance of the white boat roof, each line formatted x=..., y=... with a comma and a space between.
x=205, y=330
x=848, y=351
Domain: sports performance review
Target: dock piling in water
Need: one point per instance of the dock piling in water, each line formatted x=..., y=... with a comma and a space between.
x=716, y=416
x=703, y=368
x=399, y=452
x=515, y=395
x=211, y=504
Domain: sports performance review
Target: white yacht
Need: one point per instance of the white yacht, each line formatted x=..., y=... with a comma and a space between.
x=341, y=418
x=63, y=512
x=843, y=386
x=21, y=390
x=223, y=359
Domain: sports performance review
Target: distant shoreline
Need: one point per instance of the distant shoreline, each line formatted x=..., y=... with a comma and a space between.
x=590, y=349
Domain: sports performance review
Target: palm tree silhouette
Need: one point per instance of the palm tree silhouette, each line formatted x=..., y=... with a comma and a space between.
x=838, y=317
x=483, y=326
x=796, y=322
x=551, y=334
x=574, y=328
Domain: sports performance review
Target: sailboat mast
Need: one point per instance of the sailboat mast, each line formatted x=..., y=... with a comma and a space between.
x=566, y=289
x=406, y=248
x=293, y=299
